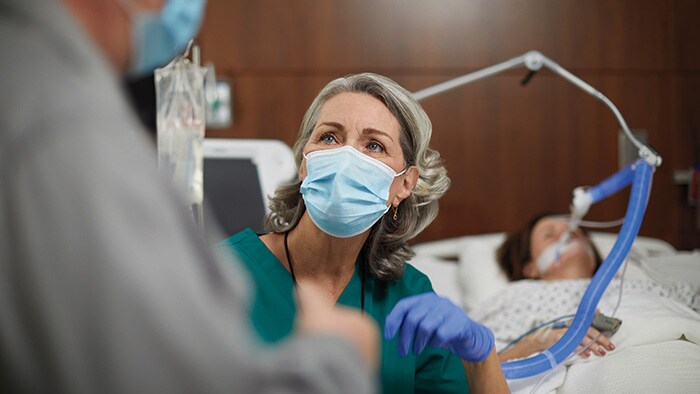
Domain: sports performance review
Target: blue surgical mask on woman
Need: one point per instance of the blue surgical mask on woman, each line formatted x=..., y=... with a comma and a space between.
x=345, y=191
x=159, y=36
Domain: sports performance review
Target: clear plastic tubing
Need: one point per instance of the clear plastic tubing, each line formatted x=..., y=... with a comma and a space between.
x=640, y=175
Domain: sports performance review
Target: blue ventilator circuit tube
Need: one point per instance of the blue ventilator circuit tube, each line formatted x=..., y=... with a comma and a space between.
x=640, y=175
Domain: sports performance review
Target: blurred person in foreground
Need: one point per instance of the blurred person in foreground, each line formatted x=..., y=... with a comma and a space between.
x=106, y=285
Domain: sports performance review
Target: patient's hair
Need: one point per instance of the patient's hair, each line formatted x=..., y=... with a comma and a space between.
x=515, y=251
x=386, y=249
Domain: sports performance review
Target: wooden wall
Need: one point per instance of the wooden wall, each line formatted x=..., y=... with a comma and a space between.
x=511, y=151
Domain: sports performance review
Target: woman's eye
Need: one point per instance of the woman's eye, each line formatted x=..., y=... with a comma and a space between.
x=375, y=146
x=328, y=138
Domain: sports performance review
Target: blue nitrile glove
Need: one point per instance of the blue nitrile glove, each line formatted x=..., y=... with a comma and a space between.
x=439, y=322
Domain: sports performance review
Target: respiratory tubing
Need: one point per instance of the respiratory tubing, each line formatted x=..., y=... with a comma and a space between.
x=641, y=171
x=583, y=199
x=613, y=184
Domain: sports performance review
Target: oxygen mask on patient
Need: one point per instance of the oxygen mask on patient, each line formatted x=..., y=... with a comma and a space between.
x=553, y=253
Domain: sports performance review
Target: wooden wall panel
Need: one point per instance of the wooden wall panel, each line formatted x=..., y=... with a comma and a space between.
x=514, y=151
x=313, y=34
x=686, y=140
x=511, y=151
x=687, y=35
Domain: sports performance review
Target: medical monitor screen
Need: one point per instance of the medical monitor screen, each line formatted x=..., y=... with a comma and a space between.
x=232, y=192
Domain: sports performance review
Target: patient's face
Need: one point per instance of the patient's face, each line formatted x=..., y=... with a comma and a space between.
x=575, y=263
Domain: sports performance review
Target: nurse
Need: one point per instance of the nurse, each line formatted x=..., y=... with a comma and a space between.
x=368, y=182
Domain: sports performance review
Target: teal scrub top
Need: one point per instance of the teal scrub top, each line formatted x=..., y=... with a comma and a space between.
x=273, y=313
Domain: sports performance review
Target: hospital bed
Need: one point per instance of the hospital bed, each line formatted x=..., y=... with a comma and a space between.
x=657, y=346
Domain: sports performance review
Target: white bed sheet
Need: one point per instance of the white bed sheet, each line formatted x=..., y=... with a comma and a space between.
x=654, y=319
x=650, y=356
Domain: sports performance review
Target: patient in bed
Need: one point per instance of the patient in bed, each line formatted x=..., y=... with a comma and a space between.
x=531, y=302
x=518, y=257
x=656, y=295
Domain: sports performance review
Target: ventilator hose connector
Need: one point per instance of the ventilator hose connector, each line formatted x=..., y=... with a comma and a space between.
x=640, y=174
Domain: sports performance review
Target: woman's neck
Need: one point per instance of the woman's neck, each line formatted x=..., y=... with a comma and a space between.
x=316, y=253
x=318, y=257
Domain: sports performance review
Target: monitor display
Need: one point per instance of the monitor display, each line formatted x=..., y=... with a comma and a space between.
x=232, y=192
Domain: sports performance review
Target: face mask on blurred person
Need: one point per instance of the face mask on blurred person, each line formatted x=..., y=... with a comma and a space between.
x=159, y=36
x=345, y=191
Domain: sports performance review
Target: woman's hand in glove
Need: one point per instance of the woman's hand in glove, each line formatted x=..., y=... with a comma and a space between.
x=430, y=319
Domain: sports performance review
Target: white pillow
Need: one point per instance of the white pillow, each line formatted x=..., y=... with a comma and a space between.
x=643, y=246
x=479, y=275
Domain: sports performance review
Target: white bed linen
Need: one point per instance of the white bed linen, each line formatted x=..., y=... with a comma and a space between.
x=526, y=304
x=654, y=317
x=663, y=367
x=648, y=357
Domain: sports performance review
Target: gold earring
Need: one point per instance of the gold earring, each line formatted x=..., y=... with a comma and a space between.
x=396, y=209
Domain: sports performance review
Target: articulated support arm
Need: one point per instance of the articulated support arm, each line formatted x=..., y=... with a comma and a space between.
x=534, y=61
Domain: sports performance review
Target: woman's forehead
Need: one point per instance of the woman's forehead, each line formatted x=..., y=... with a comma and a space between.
x=358, y=111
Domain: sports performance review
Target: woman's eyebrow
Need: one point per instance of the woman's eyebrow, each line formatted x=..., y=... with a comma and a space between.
x=371, y=131
x=368, y=130
x=333, y=124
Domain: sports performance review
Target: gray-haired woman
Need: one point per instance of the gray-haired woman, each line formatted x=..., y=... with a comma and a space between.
x=368, y=182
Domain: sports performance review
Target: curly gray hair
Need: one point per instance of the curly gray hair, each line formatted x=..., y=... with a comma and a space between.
x=386, y=248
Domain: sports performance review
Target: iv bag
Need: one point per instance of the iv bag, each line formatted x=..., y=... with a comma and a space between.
x=180, y=118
